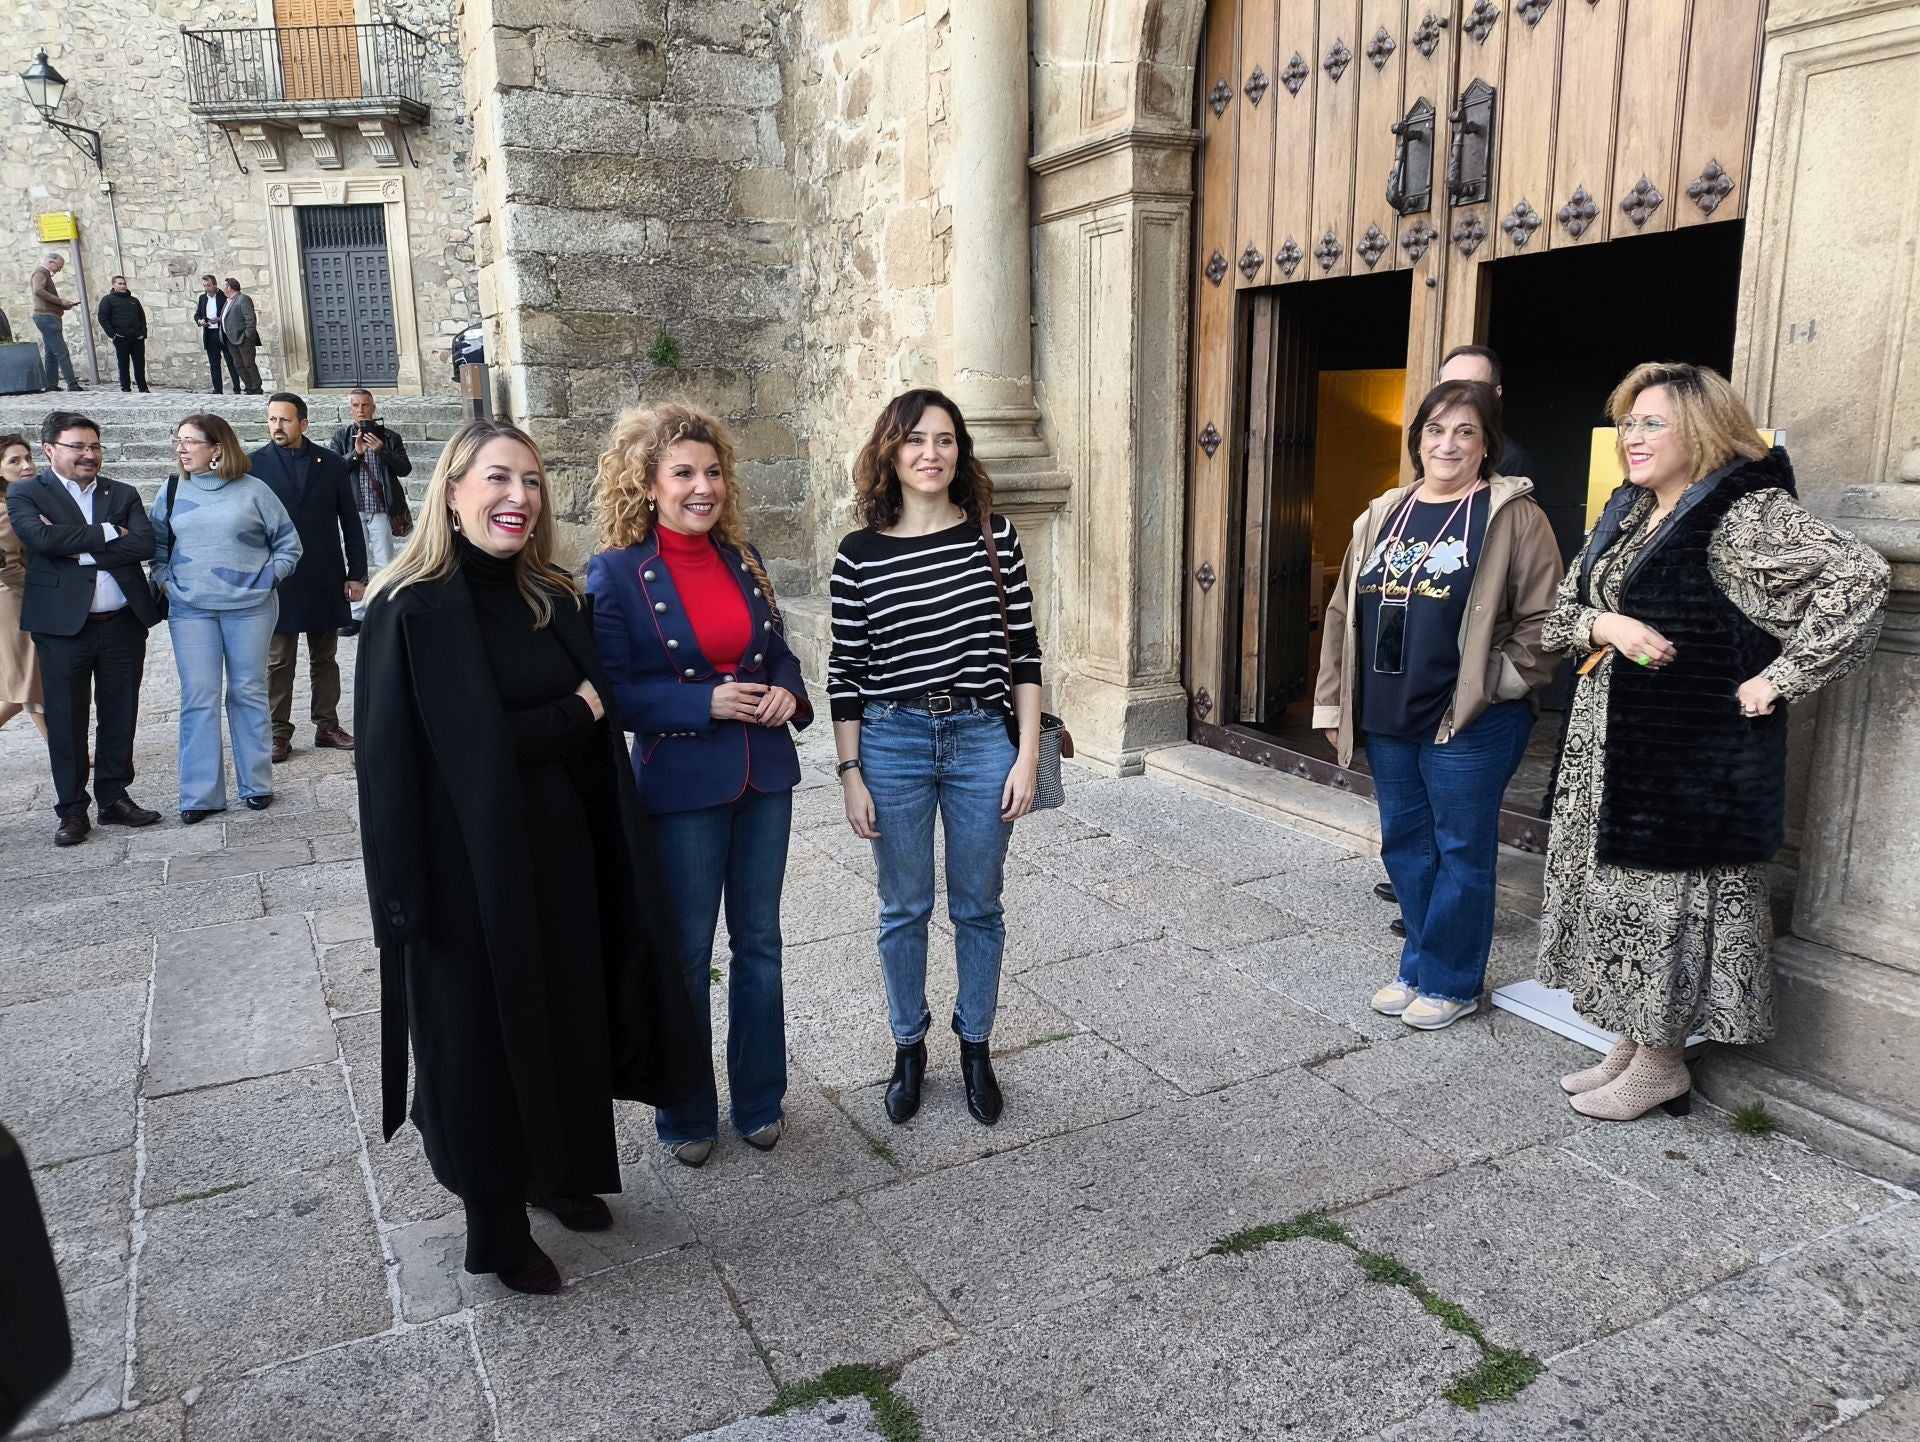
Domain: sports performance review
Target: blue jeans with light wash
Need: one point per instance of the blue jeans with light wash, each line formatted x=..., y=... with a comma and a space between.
x=736, y=853
x=59, y=360
x=916, y=765
x=205, y=644
x=1440, y=841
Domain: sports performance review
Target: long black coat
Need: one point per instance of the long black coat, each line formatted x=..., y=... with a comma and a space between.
x=312, y=483
x=434, y=741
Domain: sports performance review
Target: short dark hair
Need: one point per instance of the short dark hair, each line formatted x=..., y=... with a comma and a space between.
x=232, y=282
x=212, y=278
x=1486, y=408
x=119, y=277
x=1479, y=352
x=299, y=406
x=58, y=423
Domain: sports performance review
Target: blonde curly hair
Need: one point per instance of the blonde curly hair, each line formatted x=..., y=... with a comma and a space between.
x=623, y=506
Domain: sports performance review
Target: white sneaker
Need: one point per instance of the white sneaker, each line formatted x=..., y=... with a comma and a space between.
x=1393, y=1000
x=1430, y=1013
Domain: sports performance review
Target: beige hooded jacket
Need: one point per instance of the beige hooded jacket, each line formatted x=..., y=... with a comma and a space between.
x=1514, y=581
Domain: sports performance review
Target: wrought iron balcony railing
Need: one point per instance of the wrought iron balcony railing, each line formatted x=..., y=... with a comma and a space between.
x=307, y=72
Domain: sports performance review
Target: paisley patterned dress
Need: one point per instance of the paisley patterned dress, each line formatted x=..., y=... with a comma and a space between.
x=1661, y=955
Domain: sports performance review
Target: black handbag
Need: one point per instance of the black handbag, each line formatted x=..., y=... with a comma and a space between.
x=159, y=591
x=36, y=1344
x=1056, y=742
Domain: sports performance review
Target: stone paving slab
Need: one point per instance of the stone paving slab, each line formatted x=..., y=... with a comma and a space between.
x=85, y=968
x=650, y=1350
x=402, y=1180
x=222, y=1136
x=1189, y=1016
x=85, y=1202
x=1333, y=973
x=846, y=1420
x=351, y=975
x=1288, y=1341
x=54, y=886
x=1054, y=1220
x=238, y=860
x=1893, y=1419
x=93, y=1387
x=165, y=1422
x=1181, y=826
x=422, y=1386
x=204, y=1312
x=71, y=1065
x=1198, y=911
x=236, y=1001
x=157, y=910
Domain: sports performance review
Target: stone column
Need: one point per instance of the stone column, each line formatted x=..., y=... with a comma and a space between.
x=992, y=253
x=1844, y=1068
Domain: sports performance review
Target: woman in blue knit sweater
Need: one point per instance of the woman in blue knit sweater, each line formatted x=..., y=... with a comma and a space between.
x=222, y=542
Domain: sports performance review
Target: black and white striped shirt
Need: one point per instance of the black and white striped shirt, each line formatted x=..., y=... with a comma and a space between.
x=913, y=614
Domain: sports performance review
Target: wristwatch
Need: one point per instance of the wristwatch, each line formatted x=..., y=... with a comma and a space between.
x=845, y=766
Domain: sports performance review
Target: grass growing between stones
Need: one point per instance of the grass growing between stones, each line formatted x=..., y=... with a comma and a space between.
x=893, y=1415
x=1501, y=1374
x=1753, y=1120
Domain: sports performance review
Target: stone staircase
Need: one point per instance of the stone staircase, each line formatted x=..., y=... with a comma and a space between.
x=137, y=430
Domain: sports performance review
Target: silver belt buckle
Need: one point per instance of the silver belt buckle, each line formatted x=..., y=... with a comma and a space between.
x=939, y=703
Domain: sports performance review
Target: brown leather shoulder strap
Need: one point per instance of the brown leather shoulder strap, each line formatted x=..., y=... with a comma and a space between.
x=999, y=585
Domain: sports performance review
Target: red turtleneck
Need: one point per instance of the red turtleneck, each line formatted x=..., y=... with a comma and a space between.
x=721, y=622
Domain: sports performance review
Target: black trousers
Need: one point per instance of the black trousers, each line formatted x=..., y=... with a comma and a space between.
x=106, y=658
x=216, y=352
x=134, y=351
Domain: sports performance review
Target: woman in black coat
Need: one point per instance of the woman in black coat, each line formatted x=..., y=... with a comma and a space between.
x=510, y=866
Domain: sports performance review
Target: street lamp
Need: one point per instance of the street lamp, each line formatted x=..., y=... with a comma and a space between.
x=45, y=88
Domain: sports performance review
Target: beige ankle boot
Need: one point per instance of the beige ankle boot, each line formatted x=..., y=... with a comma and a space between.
x=1657, y=1076
x=1610, y=1067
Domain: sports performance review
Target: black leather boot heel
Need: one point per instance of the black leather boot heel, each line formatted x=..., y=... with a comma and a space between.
x=903, y=1091
x=983, y=1090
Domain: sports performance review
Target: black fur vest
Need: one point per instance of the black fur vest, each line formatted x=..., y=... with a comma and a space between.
x=1690, y=782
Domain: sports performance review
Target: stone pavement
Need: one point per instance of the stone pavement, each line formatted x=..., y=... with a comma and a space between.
x=188, y=1054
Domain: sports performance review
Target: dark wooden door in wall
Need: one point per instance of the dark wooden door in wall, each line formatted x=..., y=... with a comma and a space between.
x=343, y=251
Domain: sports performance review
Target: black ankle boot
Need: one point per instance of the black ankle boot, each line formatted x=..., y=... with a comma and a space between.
x=903, y=1091
x=983, y=1091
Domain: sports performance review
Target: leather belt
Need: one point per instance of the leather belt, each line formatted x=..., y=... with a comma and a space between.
x=943, y=703
x=94, y=617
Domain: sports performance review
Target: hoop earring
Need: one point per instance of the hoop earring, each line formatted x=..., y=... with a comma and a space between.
x=456, y=522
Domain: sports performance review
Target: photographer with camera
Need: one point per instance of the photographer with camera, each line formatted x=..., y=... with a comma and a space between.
x=377, y=462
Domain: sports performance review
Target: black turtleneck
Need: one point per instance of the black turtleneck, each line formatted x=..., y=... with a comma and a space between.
x=535, y=676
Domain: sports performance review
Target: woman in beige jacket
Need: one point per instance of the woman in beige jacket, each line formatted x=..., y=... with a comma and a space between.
x=1432, y=653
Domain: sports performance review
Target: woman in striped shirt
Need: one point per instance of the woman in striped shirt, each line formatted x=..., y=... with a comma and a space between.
x=933, y=658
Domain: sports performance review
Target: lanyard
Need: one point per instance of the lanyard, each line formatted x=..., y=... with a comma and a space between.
x=1398, y=532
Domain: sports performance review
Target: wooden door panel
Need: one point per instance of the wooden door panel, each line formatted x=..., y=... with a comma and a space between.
x=1716, y=123
x=1336, y=111
x=1583, y=150
x=1378, y=66
x=1291, y=235
x=1653, y=55
x=1528, y=103
x=1261, y=96
x=1432, y=33
x=1277, y=515
x=1211, y=452
x=1482, y=40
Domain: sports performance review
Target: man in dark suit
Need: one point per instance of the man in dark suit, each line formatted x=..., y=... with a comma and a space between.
x=312, y=483
x=207, y=311
x=241, y=328
x=87, y=605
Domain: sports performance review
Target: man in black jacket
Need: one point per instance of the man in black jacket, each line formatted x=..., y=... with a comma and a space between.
x=87, y=605
x=124, y=320
x=377, y=461
x=311, y=482
x=207, y=311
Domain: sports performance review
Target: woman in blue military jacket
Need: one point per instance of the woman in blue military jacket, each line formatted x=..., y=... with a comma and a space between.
x=691, y=636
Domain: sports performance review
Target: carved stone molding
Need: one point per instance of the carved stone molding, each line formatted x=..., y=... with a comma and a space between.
x=383, y=141
x=1416, y=238
x=1372, y=246
x=1639, y=204
x=1295, y=75
x=264, y=146
x=1328, y=251
x=1711, y=187
x=1426, y=37
x=1468, y=234
x=1337, y=60
x=1288, y=257
x=1481, y=20
x=1256, y=86
x=1217, y=268
x=1220, y=97
x=324, y=141
x=1578, y=213
x=1251, y=260
x=1210, y=440
x=1380, y=49
x=1520, y=224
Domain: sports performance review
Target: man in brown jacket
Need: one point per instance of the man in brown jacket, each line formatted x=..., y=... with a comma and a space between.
x=49, y=311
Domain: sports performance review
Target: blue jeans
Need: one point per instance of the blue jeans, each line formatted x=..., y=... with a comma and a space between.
x=1440, y=841
x=205, y=643
x=59, y=359
x=737, y=851
x=915, y=764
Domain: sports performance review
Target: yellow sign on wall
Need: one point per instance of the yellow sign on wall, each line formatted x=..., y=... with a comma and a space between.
x=58, y=225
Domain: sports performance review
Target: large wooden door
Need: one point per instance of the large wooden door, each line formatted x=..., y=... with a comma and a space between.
x=1537, y=125
x=349, y=295
x=319, y=49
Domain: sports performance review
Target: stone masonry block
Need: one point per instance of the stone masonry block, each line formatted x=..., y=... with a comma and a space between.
x=595, y=390
x=574, y=65
x=554, y=120
x=765, y=195
x=631, y=19
x=723, y=392
x=703, y=243
x=705, y=132
x=775, y=393
x=739, y=25
x=713, y=77
x=556, y=337
x=646, y=187
x=556, y=231
x=653, y=287
x=766, y=440
x=536, y=390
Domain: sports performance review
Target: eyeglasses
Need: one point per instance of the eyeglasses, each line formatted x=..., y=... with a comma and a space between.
x=1651, y=425
x=96, y=449
x=182, y=442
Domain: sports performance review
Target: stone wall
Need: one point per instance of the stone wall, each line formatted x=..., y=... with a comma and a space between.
x=184, y=208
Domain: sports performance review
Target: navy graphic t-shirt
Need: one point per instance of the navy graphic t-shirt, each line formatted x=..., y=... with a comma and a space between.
x=1433, y=572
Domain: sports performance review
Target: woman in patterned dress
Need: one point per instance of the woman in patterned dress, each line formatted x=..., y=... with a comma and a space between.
x=1705, y=599
x=19, y=666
